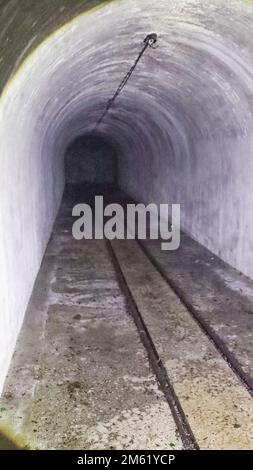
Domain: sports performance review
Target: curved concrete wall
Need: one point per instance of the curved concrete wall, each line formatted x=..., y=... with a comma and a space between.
x=182, y=126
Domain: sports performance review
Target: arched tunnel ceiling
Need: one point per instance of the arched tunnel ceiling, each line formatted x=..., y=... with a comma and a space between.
x=182, y=126
x=195, y=79
x=188, y=105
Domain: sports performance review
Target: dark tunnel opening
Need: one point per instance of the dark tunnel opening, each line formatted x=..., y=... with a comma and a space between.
x=115, y=338
x=91, y=159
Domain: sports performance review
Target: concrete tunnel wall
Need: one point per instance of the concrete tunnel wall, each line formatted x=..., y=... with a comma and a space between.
x=182, y=127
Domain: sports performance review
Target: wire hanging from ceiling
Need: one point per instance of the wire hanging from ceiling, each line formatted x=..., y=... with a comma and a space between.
x=149, y=41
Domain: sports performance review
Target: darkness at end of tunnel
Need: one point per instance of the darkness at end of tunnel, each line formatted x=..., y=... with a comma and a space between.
x=178, y=128
x=91, y=159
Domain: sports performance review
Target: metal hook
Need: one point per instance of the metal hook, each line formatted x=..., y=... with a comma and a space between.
x=151, y=39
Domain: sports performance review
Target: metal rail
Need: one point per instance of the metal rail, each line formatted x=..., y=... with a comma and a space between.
x=181, y=421
x=219, y=344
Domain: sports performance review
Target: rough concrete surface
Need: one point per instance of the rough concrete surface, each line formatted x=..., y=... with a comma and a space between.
x=80, y=377
x=221, y=296
x=184, y=122
x=182, y=127
x=218, y=407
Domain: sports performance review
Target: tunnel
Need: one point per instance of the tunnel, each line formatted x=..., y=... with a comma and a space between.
x=180, y=132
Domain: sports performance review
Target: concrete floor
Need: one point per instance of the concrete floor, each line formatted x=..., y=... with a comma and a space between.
x=81, y=376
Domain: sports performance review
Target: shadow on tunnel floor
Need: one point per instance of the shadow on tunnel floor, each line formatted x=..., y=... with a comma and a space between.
x=7, y=444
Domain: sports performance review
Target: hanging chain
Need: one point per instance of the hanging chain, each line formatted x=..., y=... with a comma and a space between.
x=149, y=41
